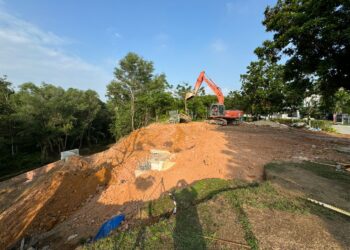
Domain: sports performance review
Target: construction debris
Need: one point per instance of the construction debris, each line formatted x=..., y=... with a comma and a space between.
x=333, y=208
x=66, y=154
x=268, y=123
x=298, y=125
x=159, y=160
x=176, y=117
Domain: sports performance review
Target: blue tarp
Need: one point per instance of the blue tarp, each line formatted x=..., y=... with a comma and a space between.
x=108, y=226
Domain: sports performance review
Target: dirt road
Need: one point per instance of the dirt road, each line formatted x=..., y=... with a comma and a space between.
x=75, y=197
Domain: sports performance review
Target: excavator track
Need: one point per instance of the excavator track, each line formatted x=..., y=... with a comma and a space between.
x=218, y=121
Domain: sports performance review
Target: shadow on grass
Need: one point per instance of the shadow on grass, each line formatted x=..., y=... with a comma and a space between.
x=320, y=182
x=188, y=233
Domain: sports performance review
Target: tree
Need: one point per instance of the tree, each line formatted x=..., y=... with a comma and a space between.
x=263, y=88
x=7, y=123
x=236, y=100
x=132, y=76
x=136, y=96
x=338, y=104
x=314, y=37
x=198, y=105
x=180, y=92
x=51, y=116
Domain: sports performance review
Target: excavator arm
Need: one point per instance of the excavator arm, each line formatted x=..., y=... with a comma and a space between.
x=202, y=77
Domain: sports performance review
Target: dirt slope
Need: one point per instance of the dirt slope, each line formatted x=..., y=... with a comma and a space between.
x=75, y=197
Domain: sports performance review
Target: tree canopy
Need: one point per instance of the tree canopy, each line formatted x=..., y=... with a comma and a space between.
x=263, y=89
x=313, y=37
x=47, y=119
x=136, y=96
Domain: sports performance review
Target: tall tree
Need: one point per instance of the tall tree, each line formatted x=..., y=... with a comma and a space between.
x=314, y=38
x=131, y=78
x=235, y=100
x=7, y=123
x=136, y=96
x=263, y=88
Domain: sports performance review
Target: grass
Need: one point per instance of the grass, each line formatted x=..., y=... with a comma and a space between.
x=329, y=172
x=185, y=230
x=237, y=204
x=337, y=178
x=203, y=213
x=326, y=172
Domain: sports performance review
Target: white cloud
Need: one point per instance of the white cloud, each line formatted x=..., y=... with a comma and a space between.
x=27, y=53
x=117, y=35
x=219, y=46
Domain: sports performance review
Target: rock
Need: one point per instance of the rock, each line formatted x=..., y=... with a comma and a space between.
x=298, y=124
x=345, y=150
x=313, y=146
x=73, y=236
x=47, y=247
x=339, y=168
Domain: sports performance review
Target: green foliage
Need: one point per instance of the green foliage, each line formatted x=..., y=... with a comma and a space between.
x=313, y=36
x=322, y=124
x=338, y=103
x=136, y=97
x=198, y=106
x=287, y=121
x=47, y=119
x=235, y=100
x=263, y=89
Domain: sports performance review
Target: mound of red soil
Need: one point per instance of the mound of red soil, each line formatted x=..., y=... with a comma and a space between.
x=76, y=196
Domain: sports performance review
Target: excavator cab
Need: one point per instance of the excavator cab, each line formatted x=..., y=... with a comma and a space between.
x=217, y=110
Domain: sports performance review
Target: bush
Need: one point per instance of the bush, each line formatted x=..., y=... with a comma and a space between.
x=323, y=125
x=286, y=121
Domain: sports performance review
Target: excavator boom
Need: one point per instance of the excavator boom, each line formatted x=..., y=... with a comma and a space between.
x=202, y=77
x=217, y=112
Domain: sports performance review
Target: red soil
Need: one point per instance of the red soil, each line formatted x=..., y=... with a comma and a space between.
x=51, y=203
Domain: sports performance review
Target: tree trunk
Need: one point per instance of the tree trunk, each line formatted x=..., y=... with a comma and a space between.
x=88, y=135
x=146, y=117
x=81, y=139
x=132, y=110
x=43, y=153
x=65, y=142
x=12, y=147
x=59, y=147
x=51, y=147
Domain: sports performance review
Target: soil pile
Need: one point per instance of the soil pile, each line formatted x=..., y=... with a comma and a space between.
x=75, y=197
x=268, y=123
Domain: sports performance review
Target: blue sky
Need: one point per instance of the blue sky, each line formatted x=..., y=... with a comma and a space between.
x=78, y=43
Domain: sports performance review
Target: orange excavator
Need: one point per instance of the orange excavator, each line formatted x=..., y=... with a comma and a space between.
x=217, y=114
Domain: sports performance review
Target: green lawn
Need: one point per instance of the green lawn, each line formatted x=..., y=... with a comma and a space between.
x=214, y=214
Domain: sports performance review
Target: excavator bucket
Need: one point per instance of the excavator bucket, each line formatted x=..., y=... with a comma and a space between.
x=189, y=95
